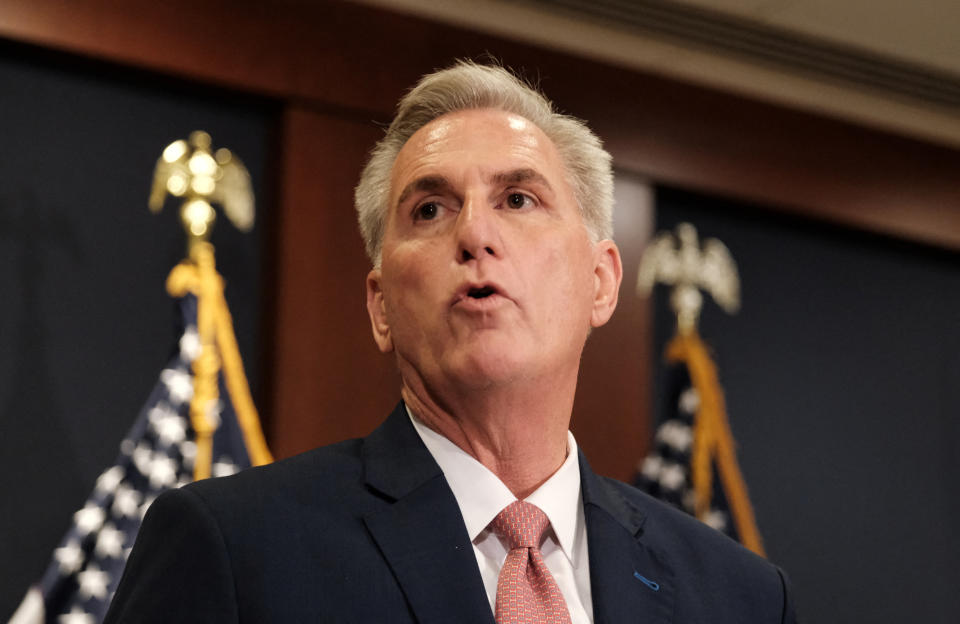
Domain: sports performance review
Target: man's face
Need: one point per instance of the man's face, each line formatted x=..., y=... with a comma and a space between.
x=488, y=275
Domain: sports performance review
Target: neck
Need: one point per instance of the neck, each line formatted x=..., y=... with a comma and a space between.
x=519, y=436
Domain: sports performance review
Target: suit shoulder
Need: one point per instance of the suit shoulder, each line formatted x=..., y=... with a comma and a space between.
x=707, y=563
x=317, y=474
x=682, y=533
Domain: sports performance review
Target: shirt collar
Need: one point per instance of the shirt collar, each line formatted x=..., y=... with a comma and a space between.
x=481, y=495
x=559, y=498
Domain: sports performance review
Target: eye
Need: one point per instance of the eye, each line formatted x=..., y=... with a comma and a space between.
x=518, y=200
x=426, y=212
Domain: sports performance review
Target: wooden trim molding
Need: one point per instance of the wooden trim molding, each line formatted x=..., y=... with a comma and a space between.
x=359, y=59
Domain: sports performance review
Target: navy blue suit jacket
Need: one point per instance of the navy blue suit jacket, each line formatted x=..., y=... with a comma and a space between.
x=368, y=530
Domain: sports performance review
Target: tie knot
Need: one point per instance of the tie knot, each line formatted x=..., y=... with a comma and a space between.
x=521, y=524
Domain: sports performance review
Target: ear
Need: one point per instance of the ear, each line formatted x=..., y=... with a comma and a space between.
x=608, y=272
x=378, y=312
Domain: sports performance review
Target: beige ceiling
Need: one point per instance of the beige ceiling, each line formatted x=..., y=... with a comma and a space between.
x=926, y=32
x=904, y=35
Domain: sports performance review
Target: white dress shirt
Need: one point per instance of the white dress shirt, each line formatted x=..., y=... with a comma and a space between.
x=481, y=495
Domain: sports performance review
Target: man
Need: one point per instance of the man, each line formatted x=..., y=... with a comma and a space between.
x=487, y=217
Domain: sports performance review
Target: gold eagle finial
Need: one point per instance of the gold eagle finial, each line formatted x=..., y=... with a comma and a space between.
x=191, y=170
x=678, y=261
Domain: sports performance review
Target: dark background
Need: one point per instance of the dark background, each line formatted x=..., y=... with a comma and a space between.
x=840, y=373
x=86, y=322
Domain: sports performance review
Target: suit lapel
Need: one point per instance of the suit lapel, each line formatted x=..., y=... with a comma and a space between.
x=629, y=581
x=421, y=534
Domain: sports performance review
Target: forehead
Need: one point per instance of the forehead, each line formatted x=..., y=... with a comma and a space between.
x=476, y=141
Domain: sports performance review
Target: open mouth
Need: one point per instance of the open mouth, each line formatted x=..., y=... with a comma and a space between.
x=481, y=293
x=479, y=296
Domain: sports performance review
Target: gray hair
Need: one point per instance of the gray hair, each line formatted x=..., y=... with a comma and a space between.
x=468, y=85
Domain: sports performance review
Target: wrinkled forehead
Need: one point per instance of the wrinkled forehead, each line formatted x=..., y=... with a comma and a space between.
x=491, y=140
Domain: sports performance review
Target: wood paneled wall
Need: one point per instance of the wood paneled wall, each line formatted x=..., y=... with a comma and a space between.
x=336, y=69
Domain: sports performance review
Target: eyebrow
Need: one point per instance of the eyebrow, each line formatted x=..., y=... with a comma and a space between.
x=435, y=183
x=430, y=184
x=520, y=176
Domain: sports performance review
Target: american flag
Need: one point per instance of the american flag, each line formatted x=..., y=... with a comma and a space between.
x=665, y=472
x=157, y=454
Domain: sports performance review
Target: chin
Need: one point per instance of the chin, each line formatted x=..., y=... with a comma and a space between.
x=486, y=368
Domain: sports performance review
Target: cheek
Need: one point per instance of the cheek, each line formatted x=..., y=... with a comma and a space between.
x=400, y=268
x=408, y=288
x=567, y=282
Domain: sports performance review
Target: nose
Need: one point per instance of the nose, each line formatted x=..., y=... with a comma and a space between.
x=478, y=234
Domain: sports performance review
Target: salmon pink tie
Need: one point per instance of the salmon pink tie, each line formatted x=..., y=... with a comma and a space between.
x=526, y=591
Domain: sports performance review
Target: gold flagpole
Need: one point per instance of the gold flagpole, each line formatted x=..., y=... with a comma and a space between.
x=190, y=170
x=679, y=261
